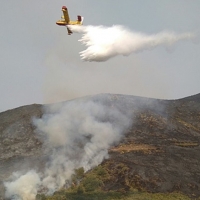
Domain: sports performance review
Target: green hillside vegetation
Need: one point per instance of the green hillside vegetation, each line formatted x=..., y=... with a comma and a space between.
x=91, y=186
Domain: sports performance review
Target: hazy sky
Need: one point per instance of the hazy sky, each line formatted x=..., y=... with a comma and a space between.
x=40, y=63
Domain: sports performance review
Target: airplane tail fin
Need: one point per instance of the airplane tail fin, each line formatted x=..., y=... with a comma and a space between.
x=80, y=19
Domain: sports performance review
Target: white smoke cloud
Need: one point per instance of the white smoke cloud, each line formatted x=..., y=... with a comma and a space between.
x=104, y=43
x=23, y=186
x=75, y=134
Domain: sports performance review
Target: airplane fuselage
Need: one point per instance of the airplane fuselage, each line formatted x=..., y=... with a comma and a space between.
x=64, y=23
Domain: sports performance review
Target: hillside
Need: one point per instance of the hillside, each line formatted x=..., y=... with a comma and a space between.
x=161, y=150
x=158, y=152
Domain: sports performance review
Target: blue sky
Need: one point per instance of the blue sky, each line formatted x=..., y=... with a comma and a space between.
x=40, y=63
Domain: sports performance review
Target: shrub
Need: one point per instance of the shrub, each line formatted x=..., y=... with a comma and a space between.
x=80, y=189
x=91, y=183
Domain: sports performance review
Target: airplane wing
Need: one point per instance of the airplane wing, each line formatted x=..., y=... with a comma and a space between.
x=65, y=13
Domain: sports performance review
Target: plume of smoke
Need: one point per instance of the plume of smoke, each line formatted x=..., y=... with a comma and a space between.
x=23, y=186
x=104, y=43
x=75, y=134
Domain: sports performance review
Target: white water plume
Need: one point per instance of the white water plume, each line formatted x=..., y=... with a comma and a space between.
x=104, y=43
x=74, y=134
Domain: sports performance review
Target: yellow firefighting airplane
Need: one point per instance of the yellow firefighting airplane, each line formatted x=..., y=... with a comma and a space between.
x=65, y=20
